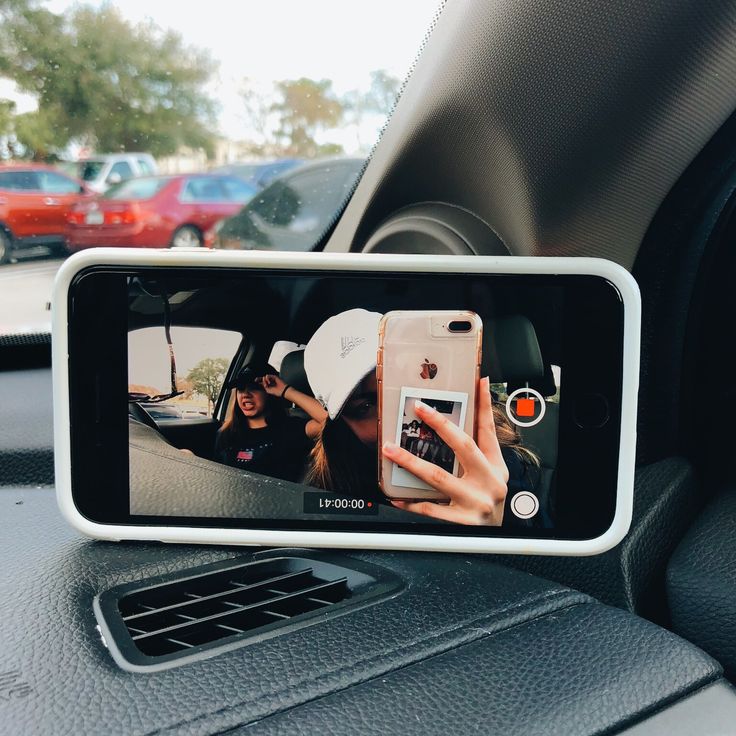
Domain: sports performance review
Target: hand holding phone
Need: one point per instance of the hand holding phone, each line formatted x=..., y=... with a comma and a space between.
x=476, y=497
x=430, y=358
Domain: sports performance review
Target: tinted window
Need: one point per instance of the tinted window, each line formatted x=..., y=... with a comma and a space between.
x=123, y=169
x=266, y=203
x=90, y=170
x=19, y=180
x=54, y=183
x=238, y=190
x=136, y=188
x=309, y=200
x=203, y=189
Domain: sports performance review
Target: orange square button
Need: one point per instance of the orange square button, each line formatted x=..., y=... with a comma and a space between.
x=524, y=407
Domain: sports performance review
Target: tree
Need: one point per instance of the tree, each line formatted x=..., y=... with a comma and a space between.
x=383, y=92
x=305, y=107
x=379, y=99
x=7, y=114
x=257, y=114
x=7, y=111
x=186, y=387
x=207, y=377
x=104, y=81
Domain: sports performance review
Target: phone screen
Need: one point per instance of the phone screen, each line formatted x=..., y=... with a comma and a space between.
x=249, y=398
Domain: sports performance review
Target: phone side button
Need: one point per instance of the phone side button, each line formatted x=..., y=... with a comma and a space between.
x=590, y=411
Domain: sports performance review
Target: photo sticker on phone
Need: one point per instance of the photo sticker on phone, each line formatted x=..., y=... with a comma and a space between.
x=420, y=439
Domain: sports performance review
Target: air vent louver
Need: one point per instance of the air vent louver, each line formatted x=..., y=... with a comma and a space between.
x=165, y=621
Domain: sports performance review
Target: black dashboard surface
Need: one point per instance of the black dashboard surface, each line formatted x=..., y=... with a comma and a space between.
x=467, y=642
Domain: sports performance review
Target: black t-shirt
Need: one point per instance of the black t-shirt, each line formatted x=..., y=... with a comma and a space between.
x=279, y=450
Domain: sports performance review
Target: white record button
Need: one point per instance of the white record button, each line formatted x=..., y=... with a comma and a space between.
x=524, y=505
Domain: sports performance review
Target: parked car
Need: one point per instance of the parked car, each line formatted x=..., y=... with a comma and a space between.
x=293, y=211
x=260, y=173
x=157, y=211
x=108, y=169
x=34, y=203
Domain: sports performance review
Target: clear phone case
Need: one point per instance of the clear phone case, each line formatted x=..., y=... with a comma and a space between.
x=420, y=357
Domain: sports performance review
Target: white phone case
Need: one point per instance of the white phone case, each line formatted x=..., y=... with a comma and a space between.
x=134, y=257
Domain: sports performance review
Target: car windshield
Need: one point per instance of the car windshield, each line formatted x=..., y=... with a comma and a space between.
x=118, y=93
x=143, y=188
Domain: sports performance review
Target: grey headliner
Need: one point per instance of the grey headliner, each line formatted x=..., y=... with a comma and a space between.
x=566, y=151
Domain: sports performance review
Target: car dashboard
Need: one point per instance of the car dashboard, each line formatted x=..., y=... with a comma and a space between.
x=462, y=644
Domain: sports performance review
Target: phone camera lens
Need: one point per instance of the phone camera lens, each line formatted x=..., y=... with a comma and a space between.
x=460, y=326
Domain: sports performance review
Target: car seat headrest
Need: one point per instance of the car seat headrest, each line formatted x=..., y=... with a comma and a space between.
x=292, y=372
x=545, y=385
x=511, y=351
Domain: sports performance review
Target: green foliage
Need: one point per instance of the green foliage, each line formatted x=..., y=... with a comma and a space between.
x=104, y=81
x=37, y=133
x=306, y=106
x=379, y=99
x=207, y=376
x=7, y=113
x=383, y=93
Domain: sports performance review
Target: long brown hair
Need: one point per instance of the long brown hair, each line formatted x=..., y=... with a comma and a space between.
x=235, y=422
x=340, y=462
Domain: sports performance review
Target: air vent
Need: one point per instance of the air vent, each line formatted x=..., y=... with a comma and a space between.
x=162, y=622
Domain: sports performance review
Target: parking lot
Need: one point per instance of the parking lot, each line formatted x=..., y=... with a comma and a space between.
x=25, y=294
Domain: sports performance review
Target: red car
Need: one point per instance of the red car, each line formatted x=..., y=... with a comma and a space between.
x=34, y=203
x=156, y=211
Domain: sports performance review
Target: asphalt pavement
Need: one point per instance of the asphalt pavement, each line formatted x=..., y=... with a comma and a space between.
x=25, y=295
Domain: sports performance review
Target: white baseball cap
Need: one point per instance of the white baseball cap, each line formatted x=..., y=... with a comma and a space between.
x=340, y=355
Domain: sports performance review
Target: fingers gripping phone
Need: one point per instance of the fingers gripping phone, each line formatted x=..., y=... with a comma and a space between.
x=432, y=357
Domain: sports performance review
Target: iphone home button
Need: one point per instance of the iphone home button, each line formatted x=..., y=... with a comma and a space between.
x=524, y=505
x=590, y=411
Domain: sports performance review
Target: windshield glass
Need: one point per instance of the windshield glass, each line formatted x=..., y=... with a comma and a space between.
x=137, y=188
x=283, y=100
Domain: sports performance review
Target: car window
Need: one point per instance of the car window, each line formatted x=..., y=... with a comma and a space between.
x=203, y=189
x=310, y=199
x=144, y=166
x=90, y=170
x=123, y=169
x=203, y=356
x=54, y=183
x=143, y=188
x=237, y=190
x=19, y=180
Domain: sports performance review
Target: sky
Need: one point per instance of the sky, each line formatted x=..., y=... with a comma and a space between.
x=148, y=352
x=267, y=40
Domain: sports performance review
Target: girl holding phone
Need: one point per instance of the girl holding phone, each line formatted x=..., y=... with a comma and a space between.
x=340, y=363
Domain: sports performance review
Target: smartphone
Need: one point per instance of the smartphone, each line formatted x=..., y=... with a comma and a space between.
x=433, y=357
x=166, y=427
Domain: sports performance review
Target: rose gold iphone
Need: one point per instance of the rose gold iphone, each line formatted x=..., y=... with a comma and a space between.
x=432, y=356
